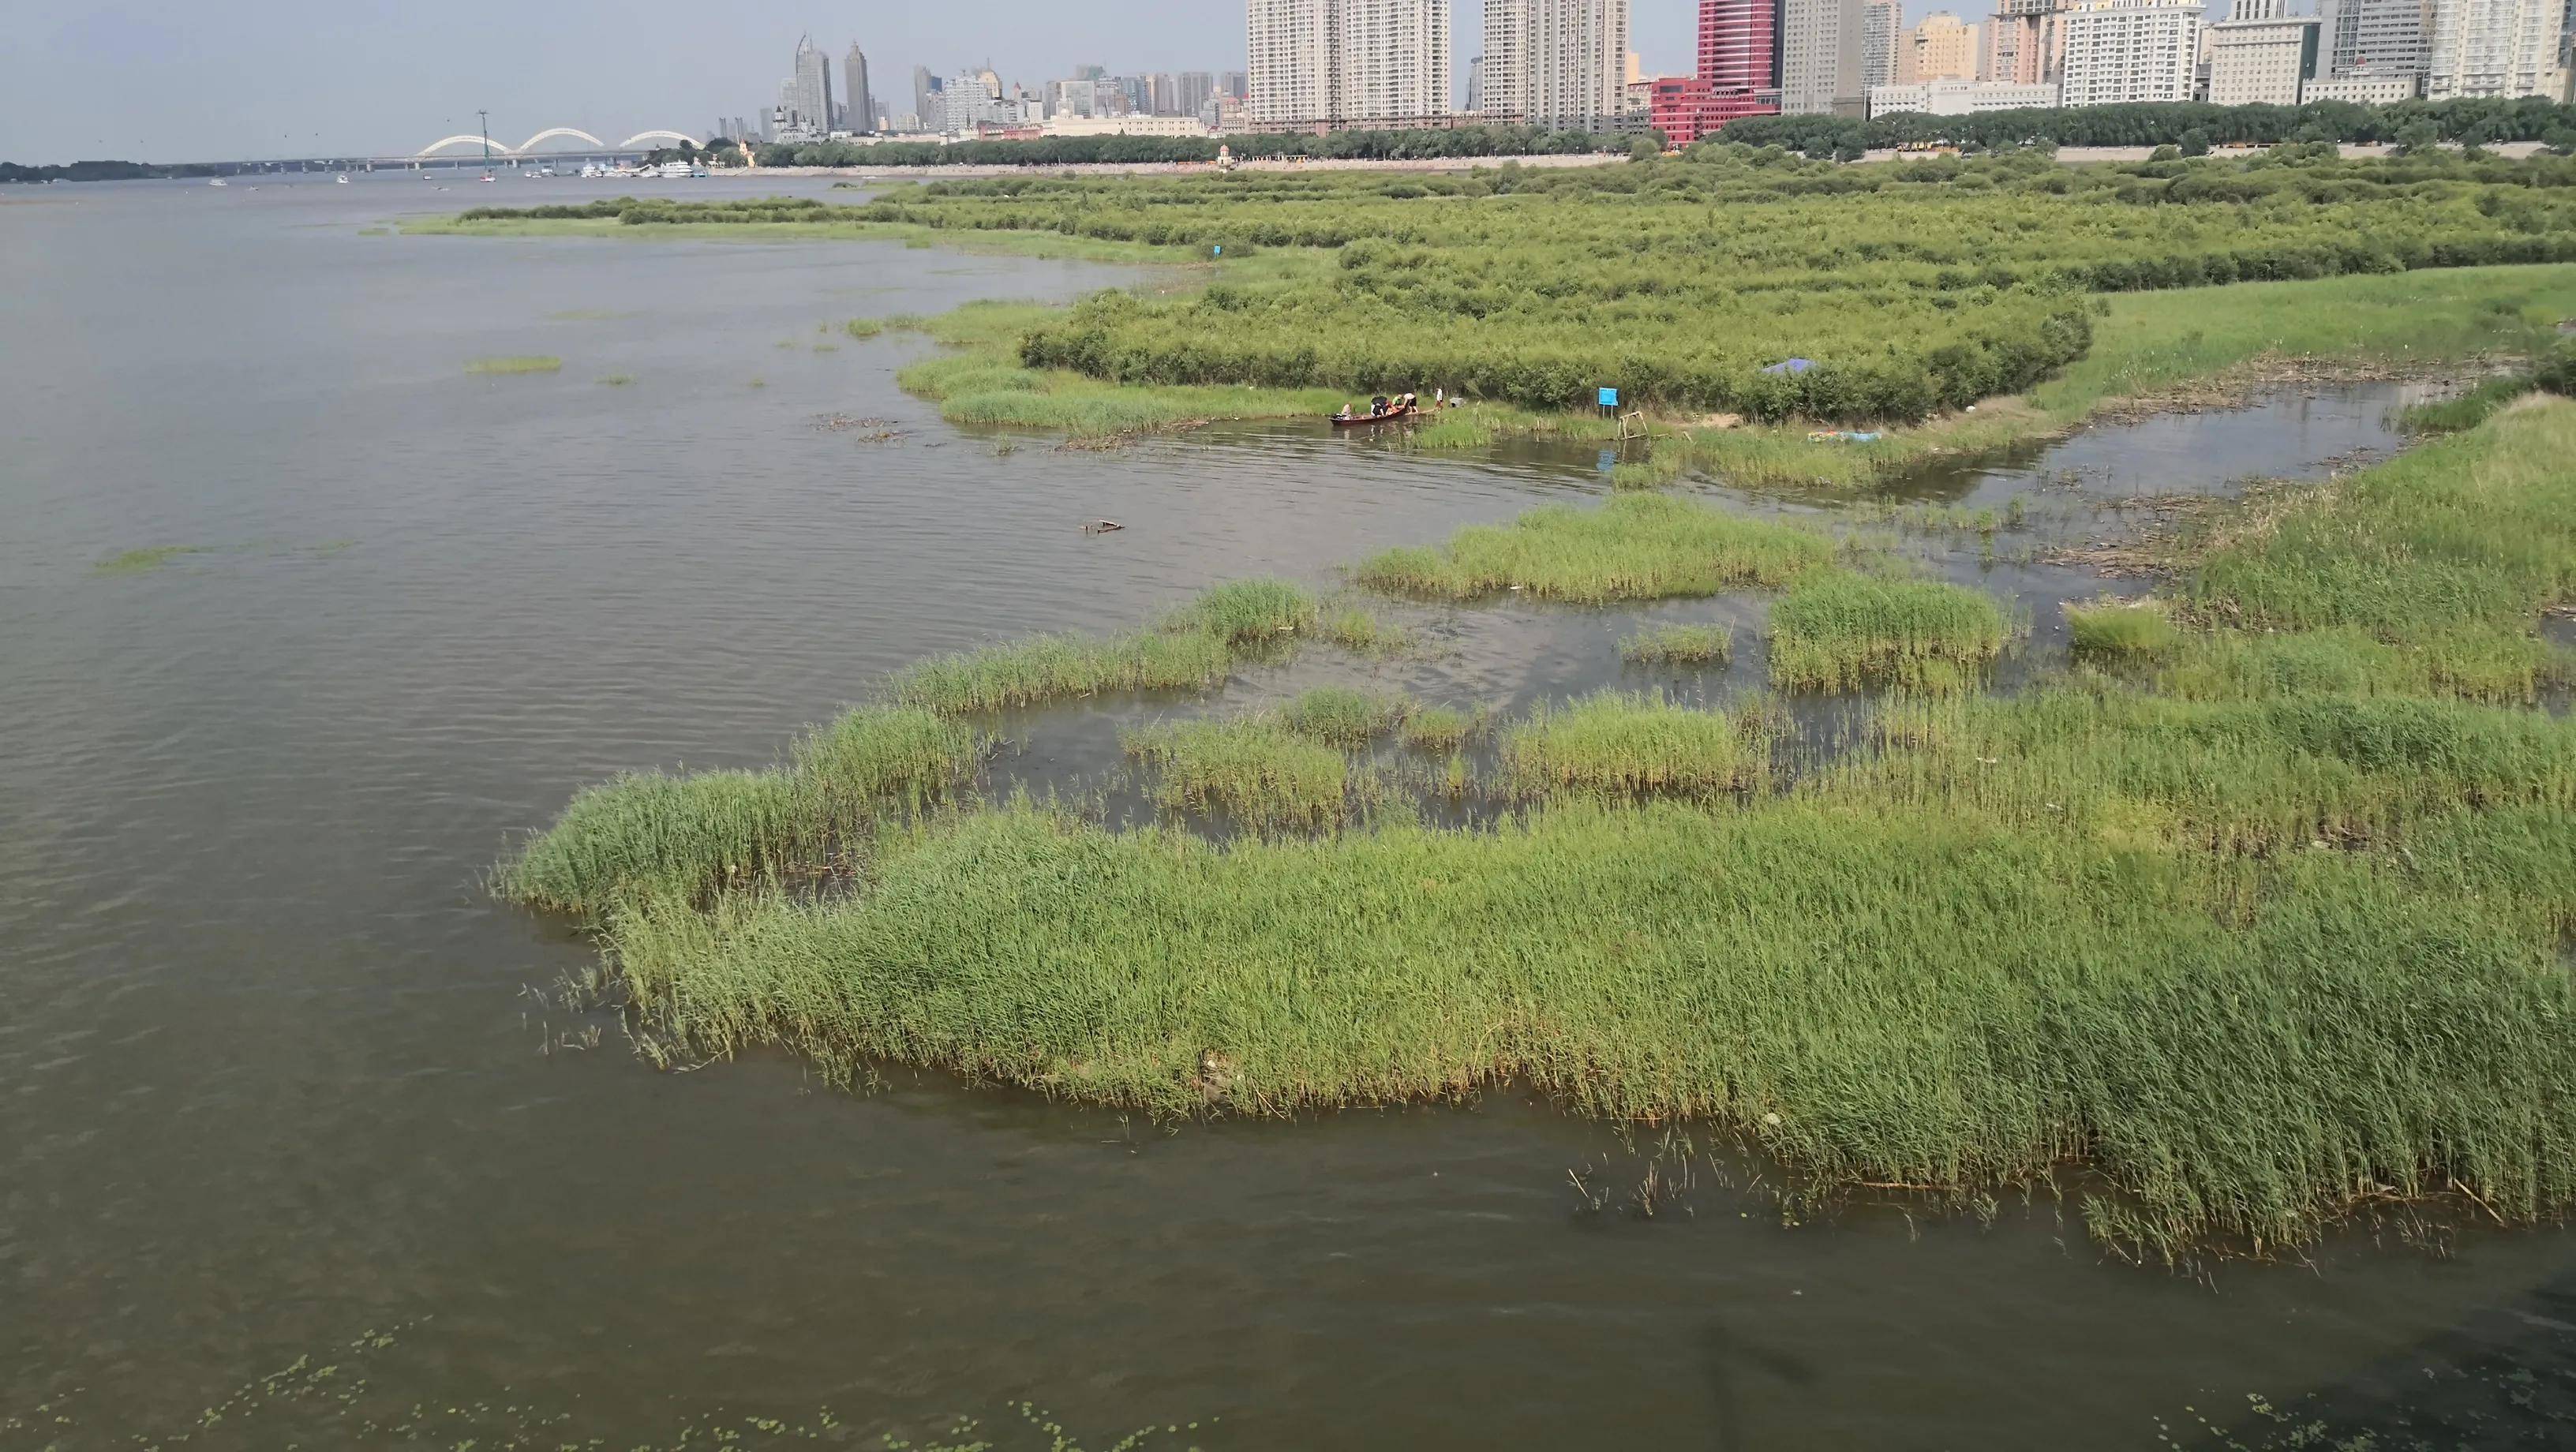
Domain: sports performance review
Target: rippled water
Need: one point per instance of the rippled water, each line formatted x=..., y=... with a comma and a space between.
x=269, y=1078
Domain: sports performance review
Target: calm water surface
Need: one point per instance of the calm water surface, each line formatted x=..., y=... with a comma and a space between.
x=271, y=1078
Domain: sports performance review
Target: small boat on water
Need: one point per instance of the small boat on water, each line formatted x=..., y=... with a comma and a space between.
x=218, y=182
x=1363, y=420
x=342, y=178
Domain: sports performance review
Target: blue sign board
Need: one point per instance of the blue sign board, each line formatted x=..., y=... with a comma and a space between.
x=1219, y=249
x=1609, y=398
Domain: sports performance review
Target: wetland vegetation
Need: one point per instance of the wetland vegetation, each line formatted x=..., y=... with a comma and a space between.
x=2254, y=915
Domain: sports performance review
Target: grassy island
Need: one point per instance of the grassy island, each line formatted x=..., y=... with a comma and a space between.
x=2254, y=914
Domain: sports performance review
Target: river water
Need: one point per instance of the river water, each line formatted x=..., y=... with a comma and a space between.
x=278, y=1080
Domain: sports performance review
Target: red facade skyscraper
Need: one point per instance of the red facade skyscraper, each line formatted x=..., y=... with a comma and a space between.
x=1739, y=44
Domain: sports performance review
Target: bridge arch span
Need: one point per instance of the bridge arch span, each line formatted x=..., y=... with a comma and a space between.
x=552, y=132
x=629, y=143
x=476, y=141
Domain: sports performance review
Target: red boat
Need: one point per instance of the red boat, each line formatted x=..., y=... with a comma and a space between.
x=1359, y=420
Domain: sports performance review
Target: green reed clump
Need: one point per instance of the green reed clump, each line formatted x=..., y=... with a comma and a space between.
x=654, y=832
x=1258, y=770
x=1633, y=547
x=1619, y=744
x=2126, y=768
x=1436, y=728
x=1343, y=717
x=1246, y=612
x=872, y=752
x=2123, y=629
x=1679, y=645
x=1038, y=669
x=529, y=363
x=2233, y=1050
x=1838, y=630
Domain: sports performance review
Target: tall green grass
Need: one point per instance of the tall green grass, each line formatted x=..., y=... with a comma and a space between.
x=1633, y=547
x=1038, y=669
x=1837, y=630
x=2229, y=1049
x=2122, y=629
x=685, y=835
x=1194, y=648
x=1622, y=745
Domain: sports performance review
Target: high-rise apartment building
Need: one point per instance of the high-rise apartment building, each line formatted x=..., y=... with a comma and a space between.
x=2120, y=51
x=1346, y=62
x=1939, y=49
x=1233, y=83
x=1577, y=62
x=2375, y=37
x=2261, y=55
x=1820, y=58
x=1882, y=24
x=1502, y=79
x=1739, y=44
x=926, y=108
x=2498, y=48
x=811, y=88
x=858, y=107
x=1197, y=89
x=2023, y=42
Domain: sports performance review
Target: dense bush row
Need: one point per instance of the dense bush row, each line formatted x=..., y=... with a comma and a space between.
x=2170, y=124
x=1907, y=287
x=1680, y=283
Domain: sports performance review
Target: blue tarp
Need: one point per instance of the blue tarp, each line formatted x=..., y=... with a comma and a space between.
x=1791, y=365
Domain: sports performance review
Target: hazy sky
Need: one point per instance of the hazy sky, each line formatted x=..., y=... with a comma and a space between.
x=153, y=81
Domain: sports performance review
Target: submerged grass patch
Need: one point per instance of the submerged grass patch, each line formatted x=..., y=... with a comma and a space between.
x=525, y=363
x=1341, y=716
x=1679, y=645
x=1618, y=744
x=139, y=561
x=1259, y=770
x=1633, y=547
x=1837, y=630
x=1437, y=728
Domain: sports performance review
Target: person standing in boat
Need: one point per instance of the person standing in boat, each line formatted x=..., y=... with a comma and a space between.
x=1377, y=406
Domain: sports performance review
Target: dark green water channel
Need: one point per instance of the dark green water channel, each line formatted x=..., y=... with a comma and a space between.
x=270, y=1078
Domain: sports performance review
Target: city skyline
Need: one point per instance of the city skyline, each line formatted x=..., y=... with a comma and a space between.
x=274, y=80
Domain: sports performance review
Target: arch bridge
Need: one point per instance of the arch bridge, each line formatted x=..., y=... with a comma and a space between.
x=640, y=140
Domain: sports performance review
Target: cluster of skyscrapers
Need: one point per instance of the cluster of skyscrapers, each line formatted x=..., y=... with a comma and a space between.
x=973, y=103
x=2105, y=52
x=1320, y=65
